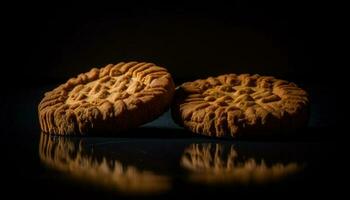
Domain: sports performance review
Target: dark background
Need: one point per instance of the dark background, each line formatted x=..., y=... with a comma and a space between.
x=296, y=41
x=47, y=44
x=286, y=39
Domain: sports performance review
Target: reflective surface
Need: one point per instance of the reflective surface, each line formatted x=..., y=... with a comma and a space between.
x=136, y=166
x=162, y=160
x=213, y=163
x=78, y=159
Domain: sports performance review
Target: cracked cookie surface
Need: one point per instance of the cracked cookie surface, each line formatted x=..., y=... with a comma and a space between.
x=110, y=99
x=232, y=105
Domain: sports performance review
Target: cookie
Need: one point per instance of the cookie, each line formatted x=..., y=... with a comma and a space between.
x=107, y=100
x=240, y=105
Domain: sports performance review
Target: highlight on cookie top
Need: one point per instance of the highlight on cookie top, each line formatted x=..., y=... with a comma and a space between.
x=210, y=163
x=233, y=105
x=111, y=99
x=79, y=161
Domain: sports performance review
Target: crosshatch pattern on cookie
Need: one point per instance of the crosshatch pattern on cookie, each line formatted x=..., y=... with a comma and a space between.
x=227, y=105
x=115, y=97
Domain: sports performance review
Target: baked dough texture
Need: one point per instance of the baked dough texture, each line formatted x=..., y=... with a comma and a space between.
x=107, y=100
x=233, y=105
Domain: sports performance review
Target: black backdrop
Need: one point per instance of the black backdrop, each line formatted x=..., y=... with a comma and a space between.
x=296, y=41
x=54, y=42
x=47, y=44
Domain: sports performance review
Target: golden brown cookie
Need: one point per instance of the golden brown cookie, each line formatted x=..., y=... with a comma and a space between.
x=107, y=100
x=233, y=105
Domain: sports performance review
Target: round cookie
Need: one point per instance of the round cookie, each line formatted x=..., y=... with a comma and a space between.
x=107, y=100
x=240, y=105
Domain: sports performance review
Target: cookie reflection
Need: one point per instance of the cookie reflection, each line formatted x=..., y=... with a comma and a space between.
x=213, y=163
x=73, y=157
